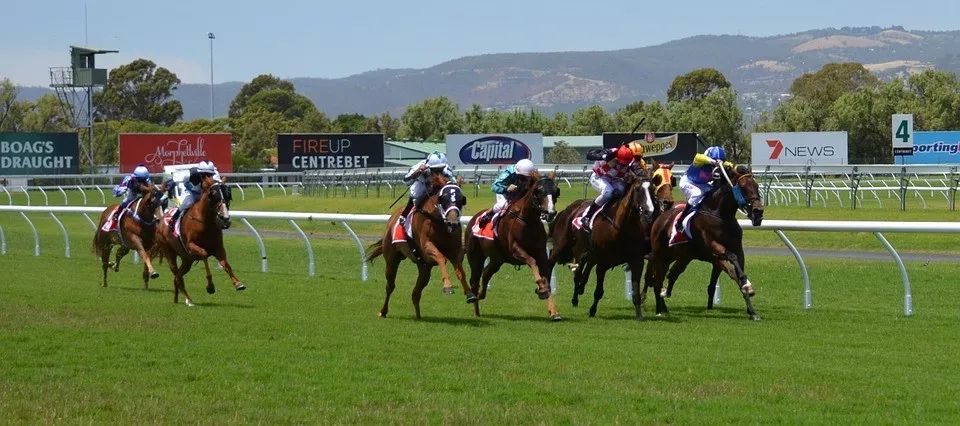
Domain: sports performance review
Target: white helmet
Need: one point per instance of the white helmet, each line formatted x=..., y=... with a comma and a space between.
x=205, y=167
x=436, y=160
x=525, y=167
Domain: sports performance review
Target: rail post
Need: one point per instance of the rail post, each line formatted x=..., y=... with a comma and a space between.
x=954, y=182
x=46, y=199
x=904, y=183
x=36, y=236
x=907, y=294
x=363, y=252
x=263, y=249
x=66, y=201
x=27, y=194
x=84, y=193
x=311, y=264
x=807, y=292
x=3, y=242
x=66, y=237
x=854, y=186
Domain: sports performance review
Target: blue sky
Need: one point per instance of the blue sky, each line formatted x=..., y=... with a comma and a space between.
x=339, y=38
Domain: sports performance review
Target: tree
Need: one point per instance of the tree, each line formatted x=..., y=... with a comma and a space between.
x=384, y=123
x=255, y=135
x=696, y=84
x=260, y=83
x=473, y=119
x=592, y=120
x=202, y=125
x=562, y=153
x=559, y=125
x=140, y=91
x=315, y=121
x=832, y=81
x=8, y=98
x=46, y=115
x=290, y=105
x=431, y=119
x=350, y=123
x=938, y=97
x=718, y=119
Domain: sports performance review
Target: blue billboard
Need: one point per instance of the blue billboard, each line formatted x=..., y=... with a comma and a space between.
x=934, y=148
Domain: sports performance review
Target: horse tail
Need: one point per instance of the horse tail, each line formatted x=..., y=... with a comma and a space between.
x=375, y=250
x=95, y=247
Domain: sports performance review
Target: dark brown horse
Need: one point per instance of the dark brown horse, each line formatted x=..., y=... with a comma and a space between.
x=717, y=238
x=520, y=240
x=436, y=228
x=201, y=236
x=621, y=235
x=136, y=230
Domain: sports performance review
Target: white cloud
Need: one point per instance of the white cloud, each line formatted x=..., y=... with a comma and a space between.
x=32, y=68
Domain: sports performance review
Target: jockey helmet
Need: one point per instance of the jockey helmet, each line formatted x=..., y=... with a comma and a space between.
x=637, y=148
x=141, y=172
x=436, y=161
x=206, y=167
x=624, y=154
x=525, y=167
x=716, y=153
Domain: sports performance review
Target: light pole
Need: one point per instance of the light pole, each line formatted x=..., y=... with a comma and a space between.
x=211, y=37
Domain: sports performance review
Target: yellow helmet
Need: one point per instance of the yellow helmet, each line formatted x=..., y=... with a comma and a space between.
x=637, y=148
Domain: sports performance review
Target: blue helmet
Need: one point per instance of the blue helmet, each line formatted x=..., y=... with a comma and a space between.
x=716, y=153
x=141, y=172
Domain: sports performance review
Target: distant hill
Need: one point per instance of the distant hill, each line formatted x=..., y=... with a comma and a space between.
x=760, y=68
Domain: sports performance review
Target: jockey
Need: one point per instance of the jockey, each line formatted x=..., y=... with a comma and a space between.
x=130, y=186
x=698, y=180
x=418, y=178
x=194, y=185
x=607, y=178
x=510, y=183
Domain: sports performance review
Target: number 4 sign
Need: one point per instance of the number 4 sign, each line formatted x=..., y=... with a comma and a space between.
x=902, y=131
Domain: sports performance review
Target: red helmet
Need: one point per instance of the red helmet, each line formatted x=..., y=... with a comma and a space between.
x=624, y=154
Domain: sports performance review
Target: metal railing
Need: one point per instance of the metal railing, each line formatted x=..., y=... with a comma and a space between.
x=777, y=226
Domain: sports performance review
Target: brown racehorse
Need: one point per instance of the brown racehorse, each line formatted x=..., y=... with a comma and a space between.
x=201, y=236
x=436, y=228
x=520, y=240
x=137, y=229
x=717, y=238
x=621, y=234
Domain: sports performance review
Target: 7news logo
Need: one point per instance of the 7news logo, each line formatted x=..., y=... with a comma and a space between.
x=777, y=149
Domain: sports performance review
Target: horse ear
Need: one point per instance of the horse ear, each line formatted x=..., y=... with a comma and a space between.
x=742, y=169
x=459, y=180
x=552, y=175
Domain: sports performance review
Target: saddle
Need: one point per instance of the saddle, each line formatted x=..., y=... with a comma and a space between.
x=577, y=218
x=687, y=234
x=489, y=231
x=111, y=224
x=168, y=217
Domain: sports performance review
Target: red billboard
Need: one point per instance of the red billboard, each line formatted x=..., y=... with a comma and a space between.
x=156, y=150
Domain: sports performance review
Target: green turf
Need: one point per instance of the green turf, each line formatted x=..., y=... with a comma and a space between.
x=294, y=349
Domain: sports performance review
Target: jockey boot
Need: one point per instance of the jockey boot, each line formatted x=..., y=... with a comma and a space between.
x=487, y=215
x=585, y=218
x=683, y=215
x=405, y=211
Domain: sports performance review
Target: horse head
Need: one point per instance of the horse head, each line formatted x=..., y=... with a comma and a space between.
x=747, y=194
x=154, y=199
x=450, y=202
x=662, y=181
x=218, y=199
x=544, y=195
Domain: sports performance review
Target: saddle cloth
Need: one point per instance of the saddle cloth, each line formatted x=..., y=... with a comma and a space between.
x=403, y=233
x=113, y=225
x=576, y=221
x=168, y=216
x=489, y=231
x=687, y=234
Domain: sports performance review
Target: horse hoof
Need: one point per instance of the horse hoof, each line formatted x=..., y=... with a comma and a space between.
x=240, y=287
x=154, y=275
x=188, y=303
x=542, y=296
x=448, y=290
x=211, y=290
x=555, y=317
x=471, y=298
x=755, y=317
x=574, y=302
x=593, y=313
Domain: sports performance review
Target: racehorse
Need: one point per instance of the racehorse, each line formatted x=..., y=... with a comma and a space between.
x=520, y=239
x=621, y=234
x=201, y=236
x=717, y=238
x=437, y=240
x=136, y=230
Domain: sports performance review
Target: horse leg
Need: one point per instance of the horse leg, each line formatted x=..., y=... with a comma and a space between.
x=105, y=257
x=137, y=244
x=712, y=287
x=659, y=267
x=121, y=252
x=488, y=272
x=423, y=278
x=146, y=277
x=392, y=260
x=462, y=276
x=172, y=259
x=637, y=265
x=221, y=255
x=430, y=251
x=182, y=272
x=580, y=277
x=598, y=290
x=730, y=263
x=676, y=269
x=543, y=288
x=210, y=287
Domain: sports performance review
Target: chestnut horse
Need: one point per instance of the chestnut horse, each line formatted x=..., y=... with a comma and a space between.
x=136, y=230
x=201, y=236
x=621, y=234
x=520, y=240
x=717, y=238
x=436, y=228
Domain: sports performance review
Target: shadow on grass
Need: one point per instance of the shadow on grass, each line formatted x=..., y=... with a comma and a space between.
x=471, y=321
x=223, y=305
x=529, y=318
x=151, y=289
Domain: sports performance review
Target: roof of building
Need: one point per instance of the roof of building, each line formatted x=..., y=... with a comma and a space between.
x=424, y=147
x=574, y=141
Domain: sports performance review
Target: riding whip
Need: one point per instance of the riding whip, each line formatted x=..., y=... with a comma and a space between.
x=398, y=199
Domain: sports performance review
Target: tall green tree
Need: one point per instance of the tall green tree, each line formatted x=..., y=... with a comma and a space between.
x=351, y=123
x=696, y=84
x=139, y=91
x=384, y=123
x=291, y=105
x=562, y=153
x=558, y=125
x=259, y=84
x=591, y=120
x=431, y=119
x=8, y=99
x=938, y=97
x=46, y=115
x=833, y=80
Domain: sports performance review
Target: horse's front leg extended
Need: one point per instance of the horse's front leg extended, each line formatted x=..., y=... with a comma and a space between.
x=543, y=288
x=731, y=264
x=137, y=244
x=121, y=252
x=221, y=256
x=431, y=252
x=210, y=287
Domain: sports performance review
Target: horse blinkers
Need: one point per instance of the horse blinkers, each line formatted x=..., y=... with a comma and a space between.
x=220, y=200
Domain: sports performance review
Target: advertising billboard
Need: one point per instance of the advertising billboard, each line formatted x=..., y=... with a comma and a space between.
x=310, y=151
x=934, y=148
x=156, y=150
x=664, y=147
x=799, y=148
x=480, y=149
x=39, y=153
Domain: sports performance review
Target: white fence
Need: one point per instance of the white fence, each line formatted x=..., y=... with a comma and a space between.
x=777, y=226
